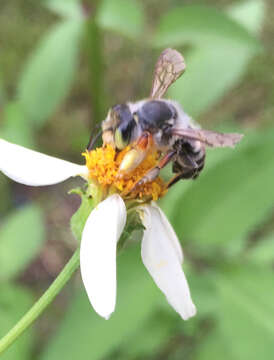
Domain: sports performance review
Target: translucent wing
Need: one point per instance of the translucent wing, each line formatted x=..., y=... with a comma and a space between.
x=210, y=138
x=169, y=67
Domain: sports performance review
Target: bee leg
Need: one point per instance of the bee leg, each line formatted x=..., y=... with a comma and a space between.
x=189, y=174
x=137, y=154
x=154, y=172
x=185, y=167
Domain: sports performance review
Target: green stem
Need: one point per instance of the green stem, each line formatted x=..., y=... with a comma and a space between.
x=42, y=303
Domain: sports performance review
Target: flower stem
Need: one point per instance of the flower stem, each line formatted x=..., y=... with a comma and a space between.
x=42, y=303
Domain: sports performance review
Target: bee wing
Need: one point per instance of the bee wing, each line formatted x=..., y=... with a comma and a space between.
x=169, y=67
x=210, y=138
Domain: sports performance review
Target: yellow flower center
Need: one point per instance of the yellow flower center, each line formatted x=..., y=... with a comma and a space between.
x=103, y=164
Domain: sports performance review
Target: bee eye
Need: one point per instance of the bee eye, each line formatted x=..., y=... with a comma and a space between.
x=121, y=138
x=125, y=125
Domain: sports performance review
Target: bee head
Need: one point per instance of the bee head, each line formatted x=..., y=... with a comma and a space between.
x=124, y=124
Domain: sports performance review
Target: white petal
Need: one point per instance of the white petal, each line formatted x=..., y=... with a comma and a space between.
x=98, y=253
x=171, y=233
x=33, y=168
x=160, y=257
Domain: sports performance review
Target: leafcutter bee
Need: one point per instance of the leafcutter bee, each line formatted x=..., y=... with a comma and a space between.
x=161, y=123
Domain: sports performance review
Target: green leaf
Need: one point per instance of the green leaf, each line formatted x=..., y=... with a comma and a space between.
x=223, y=49
x=211, y=72
x=49, y=72
x=2, y=92
x=68, y=8
x=221, y=206
x=15, y=128
x=203, y=292
x=14, y=302
x=5, y=202
x=137, y=299
x=21, y=239
x=200, y=25
x=123, y=16
x=249, y=13
x=244, y=316
x=263, y=251
x=246, y=312
x=214, y=348
x=150, y=338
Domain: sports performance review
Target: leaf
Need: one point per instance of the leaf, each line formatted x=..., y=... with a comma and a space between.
x=2, y=92
x=123, y=16
x=249, y=13
x=21, y=238
x=231, y=198
x=263, y=251
x=5, y=202
x=14, y=302
x=49, y=72
x=213, y=348
x=244, y=314
x=15, y=128
x=200, y=25
x=223, y=49
x=203, y=292
x=247, y=311
x=68, y=8
x=150, y=338
x=211, y=72
x=95, y=338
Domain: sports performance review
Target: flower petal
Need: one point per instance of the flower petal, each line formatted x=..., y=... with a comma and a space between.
x=160, y=257
x=171, y=233
x=98, y=253
x=33, y=168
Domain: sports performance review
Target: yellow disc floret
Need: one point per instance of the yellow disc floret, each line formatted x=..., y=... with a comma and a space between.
x=103, y=164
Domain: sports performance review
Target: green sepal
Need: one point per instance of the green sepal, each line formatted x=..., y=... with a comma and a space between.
x=133, y=229
x=79, y=218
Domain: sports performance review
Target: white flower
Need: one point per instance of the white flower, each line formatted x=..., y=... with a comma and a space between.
x=161, y=251
x=29, y=167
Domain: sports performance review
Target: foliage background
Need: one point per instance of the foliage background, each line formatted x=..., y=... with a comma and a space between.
x=62, y=64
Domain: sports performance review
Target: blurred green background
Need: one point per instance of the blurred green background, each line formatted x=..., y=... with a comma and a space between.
x=62, y=64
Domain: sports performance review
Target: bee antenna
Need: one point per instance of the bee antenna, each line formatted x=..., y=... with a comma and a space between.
x=93, y=140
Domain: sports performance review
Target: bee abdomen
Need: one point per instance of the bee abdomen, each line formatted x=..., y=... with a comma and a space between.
x=190, y=159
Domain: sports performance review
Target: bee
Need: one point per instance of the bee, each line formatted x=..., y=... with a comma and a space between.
x=157, y=123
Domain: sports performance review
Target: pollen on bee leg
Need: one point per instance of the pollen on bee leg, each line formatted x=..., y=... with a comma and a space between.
x=131, y=160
